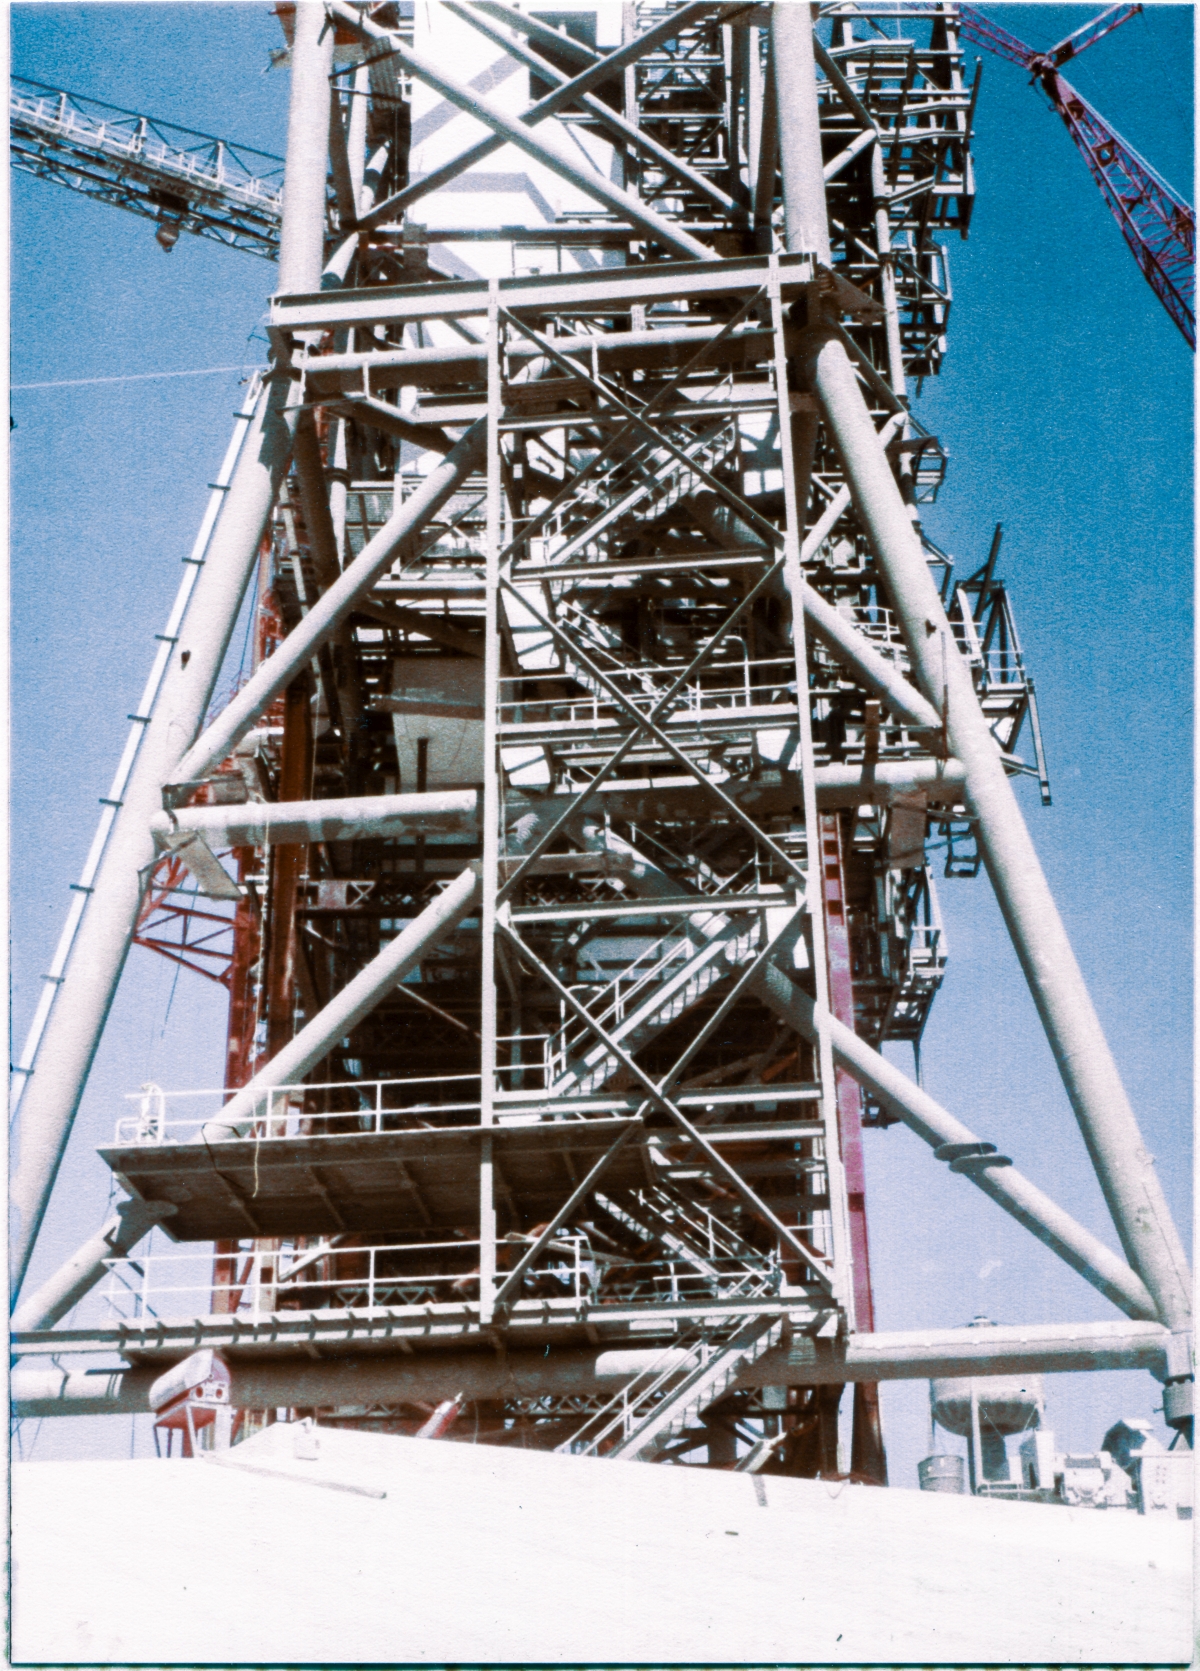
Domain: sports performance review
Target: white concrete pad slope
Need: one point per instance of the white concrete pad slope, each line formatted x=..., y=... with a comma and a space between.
x=386, y=1550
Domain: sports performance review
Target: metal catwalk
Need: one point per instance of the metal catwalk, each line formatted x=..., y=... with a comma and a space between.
x=565, y=853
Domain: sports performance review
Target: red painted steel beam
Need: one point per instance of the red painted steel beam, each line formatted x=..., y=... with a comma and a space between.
x=867, y=1454
x=1156, y=223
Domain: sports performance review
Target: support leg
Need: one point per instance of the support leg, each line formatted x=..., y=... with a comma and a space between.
x=1124, y=1167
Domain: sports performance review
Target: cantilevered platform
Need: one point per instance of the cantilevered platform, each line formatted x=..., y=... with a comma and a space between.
x=367, y=1181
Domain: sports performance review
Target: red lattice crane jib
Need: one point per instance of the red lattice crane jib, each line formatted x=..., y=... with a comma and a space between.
x=1156, y=223
x=172, y=923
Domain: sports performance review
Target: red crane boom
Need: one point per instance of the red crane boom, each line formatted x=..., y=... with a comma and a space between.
x=1156, y=223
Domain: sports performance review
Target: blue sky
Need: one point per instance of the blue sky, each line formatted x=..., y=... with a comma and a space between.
x=1065, y=405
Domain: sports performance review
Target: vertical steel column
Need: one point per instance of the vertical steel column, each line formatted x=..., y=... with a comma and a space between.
x=887, y=275
x=1124, y=1167
x=302, y=231
x=765, y=132
x=301, y=262
x=866, y=1444
x=287, y=861
x=849, y=1097
x=90, y=981
x=806, y=224
x=246, y=980
x=491, y=823
x=793, y=579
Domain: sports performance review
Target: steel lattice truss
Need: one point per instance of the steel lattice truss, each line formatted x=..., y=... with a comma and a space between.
x=581, y=684
x=1158, y=226
x=1155, y=221
x=187, y=182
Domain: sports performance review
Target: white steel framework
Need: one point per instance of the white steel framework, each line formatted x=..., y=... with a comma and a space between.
x=607, y=692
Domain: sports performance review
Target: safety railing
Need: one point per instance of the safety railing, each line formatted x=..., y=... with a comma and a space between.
x=331, y=1276
x=681, y=1279
x=997, y=668
x=753, y=685
x=286, y=1111
x=615, y=1420
x=699, y=1227
x=212, y=165
x=648, y=477
x=337, y=1275
x=632, y=993
x=663, y=1378
x=925, y=949
x=610, y=1006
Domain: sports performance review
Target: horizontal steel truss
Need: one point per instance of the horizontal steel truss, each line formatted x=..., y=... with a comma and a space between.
x=189, y=182
x=557, y=1323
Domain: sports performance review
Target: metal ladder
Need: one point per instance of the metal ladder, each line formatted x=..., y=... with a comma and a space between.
x=651, y=478
x=658, y=1215
x=656, y=1405
x=671, y=995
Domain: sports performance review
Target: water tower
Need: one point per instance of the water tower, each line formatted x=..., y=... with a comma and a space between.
x=984, y=1410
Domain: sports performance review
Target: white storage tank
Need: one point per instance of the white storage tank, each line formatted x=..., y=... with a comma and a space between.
x=1007, y=1403
x=984, y=1409
x=943, y=1472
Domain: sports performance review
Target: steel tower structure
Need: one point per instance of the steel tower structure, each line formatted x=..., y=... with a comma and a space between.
x=607, y=691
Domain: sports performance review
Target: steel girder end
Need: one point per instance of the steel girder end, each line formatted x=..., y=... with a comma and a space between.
x=1179, y=1384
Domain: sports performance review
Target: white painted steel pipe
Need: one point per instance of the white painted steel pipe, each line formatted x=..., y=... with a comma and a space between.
x=881, y=782
x=102, y=944
x=338, y=265
x=1007, y=1187
x=876, y=783
x=105, y=932
x=356, y=132
x=302, y=232
x=840, y=636
x=1023, y=1200
x=334, y=606
x=1124, y=1167
x=343, y=1013
x=112, y=802
x=847, y=645
x=275, y=823
x=1055, y=1348
x=806, y=223
x=116, y=1237
x=551, y=152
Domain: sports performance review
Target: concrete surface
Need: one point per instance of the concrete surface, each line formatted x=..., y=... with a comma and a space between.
x=449, y=1552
